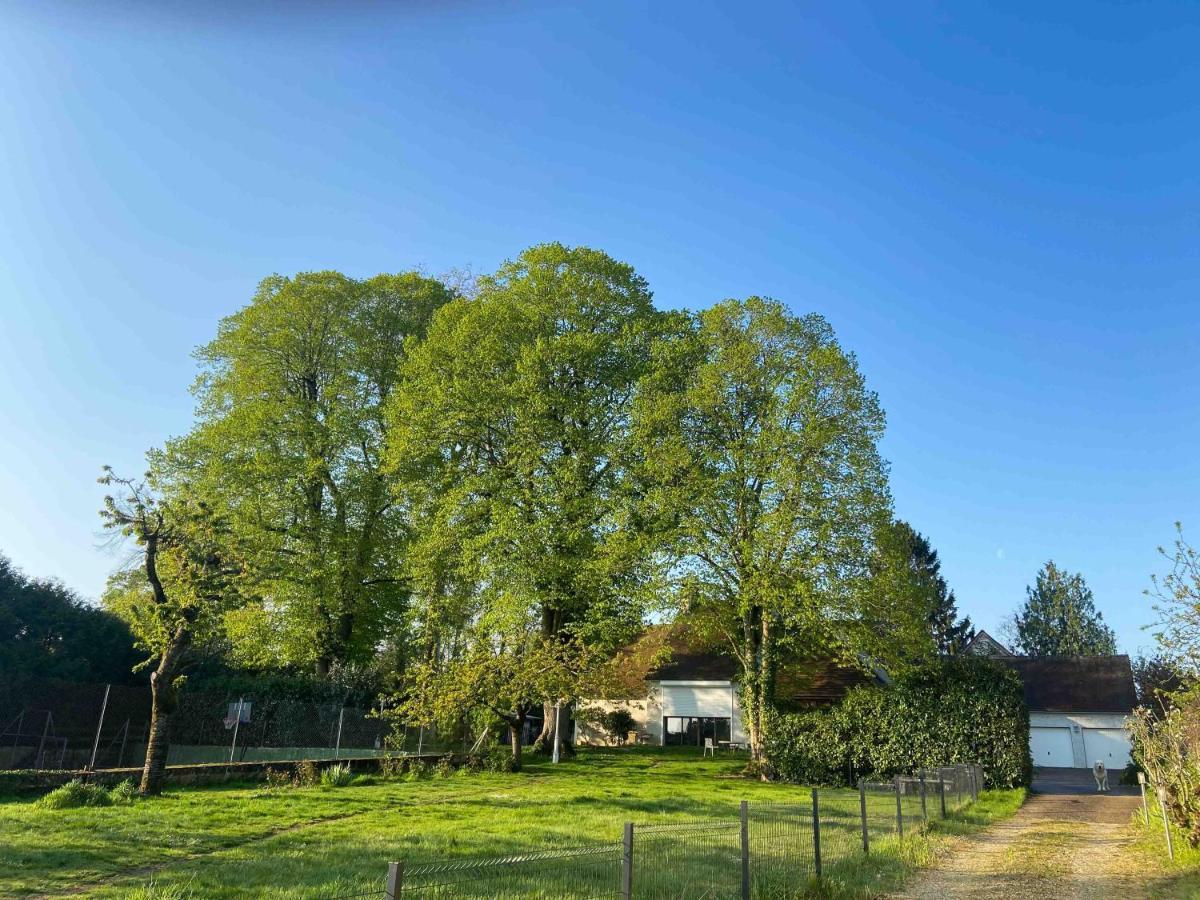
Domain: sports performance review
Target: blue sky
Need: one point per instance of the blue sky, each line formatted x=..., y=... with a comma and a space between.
x=996, y=205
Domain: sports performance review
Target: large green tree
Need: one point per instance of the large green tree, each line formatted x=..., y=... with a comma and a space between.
x=1059, y=618
x=912, y=573
x=509, y=443
x=290, y=438
x=760, y=435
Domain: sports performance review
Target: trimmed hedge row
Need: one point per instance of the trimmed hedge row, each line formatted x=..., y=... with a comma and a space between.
x=958, y=710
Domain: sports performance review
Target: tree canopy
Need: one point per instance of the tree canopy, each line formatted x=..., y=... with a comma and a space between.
x=509, y=445
x=1059, y=618
x=47, y=631
x=289, y=440
x=912, y=573
x=761, y=439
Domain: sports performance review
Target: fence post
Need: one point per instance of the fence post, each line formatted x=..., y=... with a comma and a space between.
x=42, y=744
x=816, y=835
x=862, y=810
x=745, y=813
x=921, y=783
x=1142, y=788
x=1162, y=806
x=627, y=863
x=978, y=781
x=337, y=748
x=899, y=811
x=395, y=881
x=99, y=726
x=236, y=724
x=942, y=790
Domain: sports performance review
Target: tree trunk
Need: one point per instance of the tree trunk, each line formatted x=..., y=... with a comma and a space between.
x=164, y=698
x=518, y=732
x=758, y=682
x=154, y=768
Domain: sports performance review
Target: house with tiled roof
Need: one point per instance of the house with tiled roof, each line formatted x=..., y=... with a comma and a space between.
x=1078, y=705
x=681, y=690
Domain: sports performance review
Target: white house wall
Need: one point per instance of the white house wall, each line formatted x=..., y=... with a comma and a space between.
x=1093, y=736
x=715, y=699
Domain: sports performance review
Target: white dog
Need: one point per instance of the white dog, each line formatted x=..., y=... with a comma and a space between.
x=1101, y=774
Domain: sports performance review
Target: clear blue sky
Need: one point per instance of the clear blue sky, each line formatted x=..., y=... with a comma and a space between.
x=996, y=205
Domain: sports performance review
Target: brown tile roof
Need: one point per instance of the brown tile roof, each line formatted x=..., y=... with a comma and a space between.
x=1075, y=683
x=674, y=653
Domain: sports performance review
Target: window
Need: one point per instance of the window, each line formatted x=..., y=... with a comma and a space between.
x=690, y=731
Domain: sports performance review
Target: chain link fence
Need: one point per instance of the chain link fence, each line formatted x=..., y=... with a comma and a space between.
x=762, y=849
x=60, y=725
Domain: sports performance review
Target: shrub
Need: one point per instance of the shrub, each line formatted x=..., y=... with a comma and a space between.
x=336, y=776
x=958, y=710
x=75, y=794
x=306, y=773
x=393, y=766
x=1165, y=744
x=417, y=769
x=279, y=778
x=618, y=723
x=444, y=767
x=124, y=793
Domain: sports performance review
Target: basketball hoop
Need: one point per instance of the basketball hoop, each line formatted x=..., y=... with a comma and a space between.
x=229, y=721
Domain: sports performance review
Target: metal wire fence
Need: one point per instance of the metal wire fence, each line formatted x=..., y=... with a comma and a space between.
x=760, y=850
x=59, y=725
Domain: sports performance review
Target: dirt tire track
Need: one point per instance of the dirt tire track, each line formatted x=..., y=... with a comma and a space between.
x=1060, y=846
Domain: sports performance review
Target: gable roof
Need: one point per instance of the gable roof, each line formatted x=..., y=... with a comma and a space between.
x=983, y=644
x=1075, y=683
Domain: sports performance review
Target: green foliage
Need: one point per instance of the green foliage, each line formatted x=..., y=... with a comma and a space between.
x=278, y=779
x=618, y=723
x=336, y=776
x=508, y=441
x=1164, y=744
x=444, y=767
x=124, y=792
x=289, y=439
x=1159, y=678
x=47, y=631
x=1177, y=596
x=759, y=438
x=508, y=438
x=911, y=575
x=306, y=774
x=418, y=770
x=393, y=766
x=75, y=794
x=956, y=710
x=1060, y=618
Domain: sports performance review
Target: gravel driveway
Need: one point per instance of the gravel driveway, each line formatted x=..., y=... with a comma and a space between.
x=1057, y=845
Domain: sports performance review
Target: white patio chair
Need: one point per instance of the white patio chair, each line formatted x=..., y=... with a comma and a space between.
x=709, y=748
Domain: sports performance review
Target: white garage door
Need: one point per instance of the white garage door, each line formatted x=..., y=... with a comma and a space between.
x=1051, y=747
x=1109, y=745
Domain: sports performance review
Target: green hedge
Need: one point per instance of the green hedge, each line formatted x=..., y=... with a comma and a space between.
x=958, y=710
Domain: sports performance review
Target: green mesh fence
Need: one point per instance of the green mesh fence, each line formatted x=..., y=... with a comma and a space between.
x=759, y=850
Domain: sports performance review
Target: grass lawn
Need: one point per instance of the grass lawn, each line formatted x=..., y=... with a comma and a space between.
x=246, y=841
x=1177, y=879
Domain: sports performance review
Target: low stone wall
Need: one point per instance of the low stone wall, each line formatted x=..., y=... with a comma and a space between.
x=27, y=781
